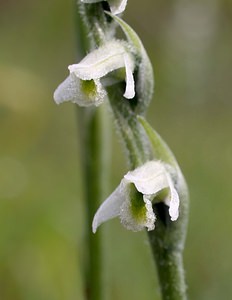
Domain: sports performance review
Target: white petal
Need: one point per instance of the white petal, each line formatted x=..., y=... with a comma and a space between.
x=130, y=84
x=71, y=89
x=174, y=200
x=117, y=6
x=149, y=179
x=109, y=209
x=100, y=62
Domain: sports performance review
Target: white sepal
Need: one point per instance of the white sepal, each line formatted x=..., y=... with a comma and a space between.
x=109, y=209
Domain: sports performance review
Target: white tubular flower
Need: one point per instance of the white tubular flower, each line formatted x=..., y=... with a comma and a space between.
x=84, y=87
x=132, y=199
x=116, y=6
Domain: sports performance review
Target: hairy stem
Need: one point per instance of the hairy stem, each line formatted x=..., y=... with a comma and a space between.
x=134, y=139
x=167, y=244
x=171, y=273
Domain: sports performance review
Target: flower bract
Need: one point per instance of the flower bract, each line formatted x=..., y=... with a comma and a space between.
x=132, y=200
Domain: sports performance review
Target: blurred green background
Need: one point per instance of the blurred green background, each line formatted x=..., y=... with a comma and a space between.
x=41, y=196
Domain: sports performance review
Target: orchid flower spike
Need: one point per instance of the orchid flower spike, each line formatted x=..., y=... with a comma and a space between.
x=133, y=198
x=116, y=6
x=85, y=86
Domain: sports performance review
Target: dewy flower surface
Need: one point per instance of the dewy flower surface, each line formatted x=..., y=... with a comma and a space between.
x=132, y=199
x=116, y=6
x=89, y=72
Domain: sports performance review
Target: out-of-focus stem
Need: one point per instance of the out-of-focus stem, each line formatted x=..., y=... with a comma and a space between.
x=95, y=162
x=95, y=147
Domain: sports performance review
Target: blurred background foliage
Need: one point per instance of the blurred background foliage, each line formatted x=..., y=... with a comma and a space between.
x=41, y=197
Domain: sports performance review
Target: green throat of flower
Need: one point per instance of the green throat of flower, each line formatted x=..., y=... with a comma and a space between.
x=137, y=208
x=89, y=88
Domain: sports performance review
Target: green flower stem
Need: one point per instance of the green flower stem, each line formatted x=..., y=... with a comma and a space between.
x=98, y=29
x=167, y=244
x=95, y=143
x=170, y=271
x=133, y=136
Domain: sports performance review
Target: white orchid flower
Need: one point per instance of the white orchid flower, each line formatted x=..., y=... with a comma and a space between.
x=132, y=199
x=116, y=6
x=84, y=85
x=100, y=62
